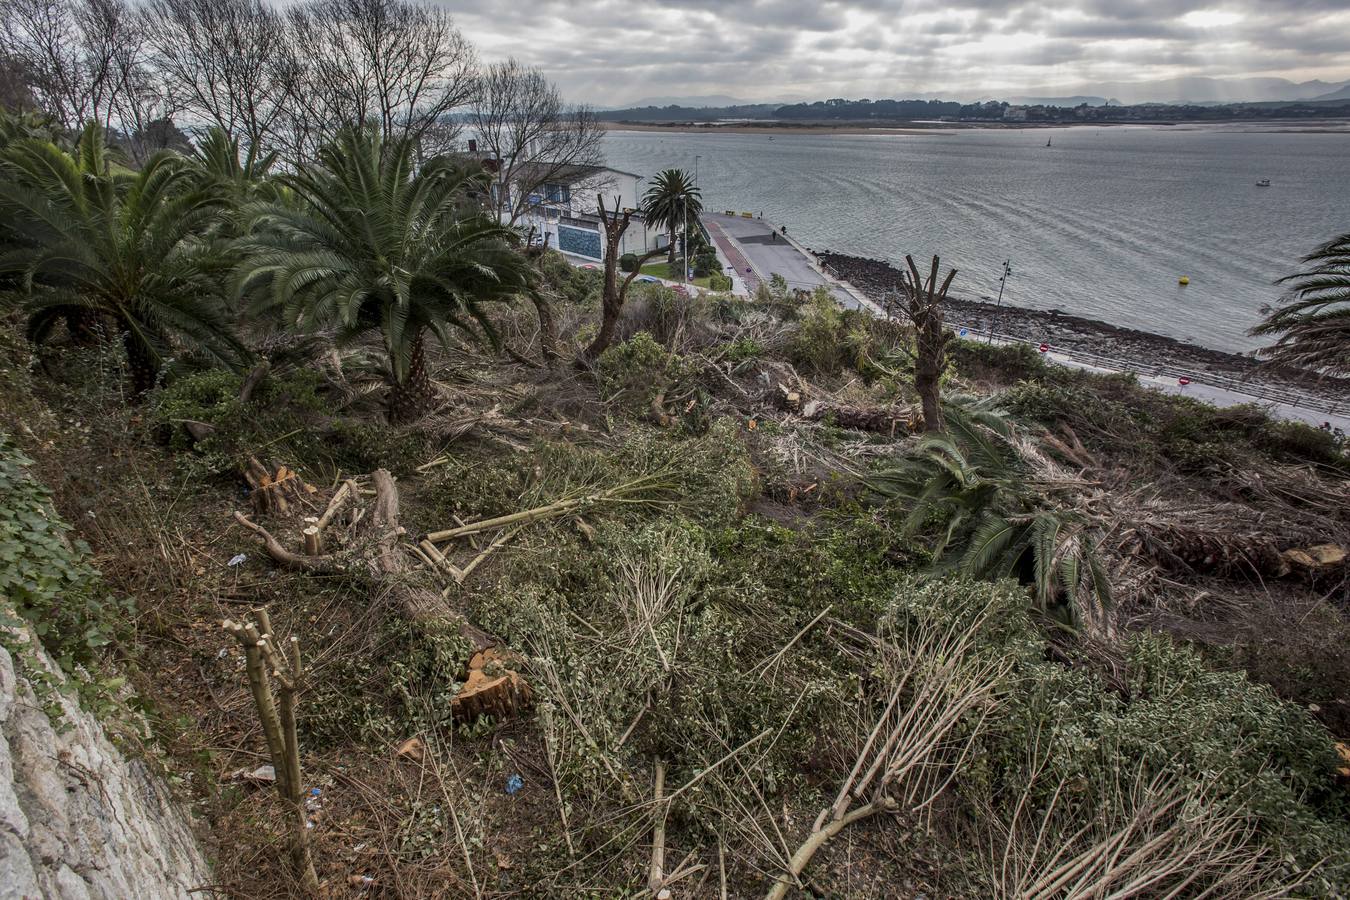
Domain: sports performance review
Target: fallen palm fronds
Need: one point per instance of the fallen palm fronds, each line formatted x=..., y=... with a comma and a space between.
x=1209, y=549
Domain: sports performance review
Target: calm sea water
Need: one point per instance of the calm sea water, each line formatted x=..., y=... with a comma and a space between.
x=1101, y=224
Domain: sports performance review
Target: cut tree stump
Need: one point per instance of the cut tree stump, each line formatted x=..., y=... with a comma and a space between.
x=1318, y=558
x=491, y=688
x=274, y=491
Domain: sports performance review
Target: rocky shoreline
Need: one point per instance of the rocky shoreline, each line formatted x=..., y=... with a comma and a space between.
x=877, y=278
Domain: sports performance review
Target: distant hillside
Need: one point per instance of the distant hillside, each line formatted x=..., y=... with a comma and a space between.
x=1077, y=100
x=1213, y=90
x=1342, y=94
x=695, y=102
x=676, y=113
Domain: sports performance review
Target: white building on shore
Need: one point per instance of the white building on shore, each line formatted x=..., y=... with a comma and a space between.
x=564, y=210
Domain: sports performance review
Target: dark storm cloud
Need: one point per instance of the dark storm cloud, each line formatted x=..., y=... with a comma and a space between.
x=616, y=51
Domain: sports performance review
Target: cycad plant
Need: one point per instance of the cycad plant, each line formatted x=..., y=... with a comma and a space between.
x=670, y=203
x=1313, y=318
x=374, y=245
x=96, y=245
x=991, y=516
x=217, y=163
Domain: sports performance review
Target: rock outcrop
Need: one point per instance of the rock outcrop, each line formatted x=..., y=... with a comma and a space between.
x=78, y=819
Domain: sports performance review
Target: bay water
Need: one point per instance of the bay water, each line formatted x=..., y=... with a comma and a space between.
x=1102, y=223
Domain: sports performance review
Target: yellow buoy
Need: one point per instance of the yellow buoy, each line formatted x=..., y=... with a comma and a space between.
x=1184, y=279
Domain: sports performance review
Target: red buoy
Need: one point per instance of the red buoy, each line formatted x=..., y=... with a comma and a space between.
x=1044, y=347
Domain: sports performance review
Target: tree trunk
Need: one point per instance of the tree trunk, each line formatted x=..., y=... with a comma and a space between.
x=548, y=329
x=611, y=301
x=611, y=306
x=412, y=398
x=923, y=305
x=672, y=248
x=927, y=378
x=141, y=363
x=85, y=326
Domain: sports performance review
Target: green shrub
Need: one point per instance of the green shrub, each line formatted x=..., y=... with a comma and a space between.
x=719, y=282
x=400, y=683
x=705, y=263
x=707, y=478
x=743, y=349
x=1171, y=715
x=628, y=262
x=635, y=372
x=45, y=575
x=578, y=286
x=828, y=339
x=284, y=414
x=1004, y=363
x=1301, y=442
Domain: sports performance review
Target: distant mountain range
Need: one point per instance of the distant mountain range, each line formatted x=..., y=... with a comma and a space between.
x=701, y=101
x=1196, y=90
x=1342, y=94
x=1212, y=90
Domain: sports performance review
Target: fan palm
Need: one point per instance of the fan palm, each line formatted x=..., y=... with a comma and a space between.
x=670, y=202
x=375, y=246
x=95, y=244
x=1313, y=318
x=990, y=517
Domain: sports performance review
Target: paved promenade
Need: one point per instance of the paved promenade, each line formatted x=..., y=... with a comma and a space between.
x=754, y=245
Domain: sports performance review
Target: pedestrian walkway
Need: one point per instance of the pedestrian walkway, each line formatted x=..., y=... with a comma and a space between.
x=760, y=250
x=731, y=251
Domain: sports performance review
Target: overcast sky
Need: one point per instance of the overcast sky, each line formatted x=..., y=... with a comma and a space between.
x=616, y=51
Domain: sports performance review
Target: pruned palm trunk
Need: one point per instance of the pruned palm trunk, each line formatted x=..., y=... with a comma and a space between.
x=548, y=329
x=672, y=248
x=927, y=383
x=141, y=363
x=413, y=397
x=85, y=327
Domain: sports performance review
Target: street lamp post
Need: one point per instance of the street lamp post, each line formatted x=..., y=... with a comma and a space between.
x=1002, y=282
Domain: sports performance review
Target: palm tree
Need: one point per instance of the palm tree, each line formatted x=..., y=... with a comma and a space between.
x=95, y=245
x=375, y=246
x=1313, y=317
x=670, y=203
x=994, y=518
x=217, y=163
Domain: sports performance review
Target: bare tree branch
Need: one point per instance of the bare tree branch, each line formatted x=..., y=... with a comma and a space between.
x=519, y=117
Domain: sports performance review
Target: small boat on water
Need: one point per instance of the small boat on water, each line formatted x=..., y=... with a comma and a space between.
x=1264, y=182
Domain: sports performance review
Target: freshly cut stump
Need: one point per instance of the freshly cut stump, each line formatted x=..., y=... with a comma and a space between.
x=491, y=688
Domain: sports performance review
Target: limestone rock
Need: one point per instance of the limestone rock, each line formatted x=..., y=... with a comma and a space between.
x=77, y=818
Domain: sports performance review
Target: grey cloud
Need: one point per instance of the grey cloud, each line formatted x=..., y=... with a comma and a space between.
x=612, y=51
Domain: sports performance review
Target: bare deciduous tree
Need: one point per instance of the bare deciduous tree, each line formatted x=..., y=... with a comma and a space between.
x=227, y=62
x=394, y=65
x=520, y=118
x=76, y=55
